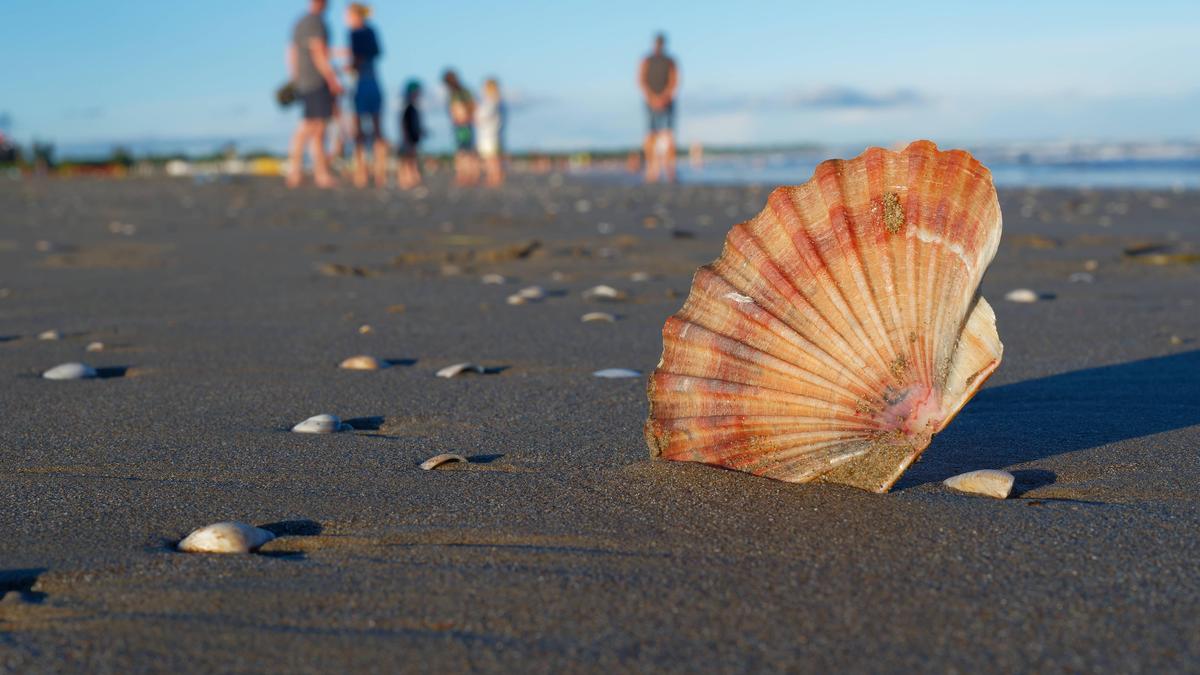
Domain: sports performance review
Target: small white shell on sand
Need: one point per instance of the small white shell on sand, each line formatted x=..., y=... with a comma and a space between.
x=615, y=373
x=639, y=277
x=226, y=537
x=603, y=292
x=70, y=371
x=1081, y=278
x=988, y=482
x=460, y=368
x=1021, y=295
x=363, y=362
x=365, y=328
x=516, y=300
x=321, y=424
x=598, y=316
x=49, y=335
x=532, y=293
x=94, y=347
x=438, y=460
x=493, y=279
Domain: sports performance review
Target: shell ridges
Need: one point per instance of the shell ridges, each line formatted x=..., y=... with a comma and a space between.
x=840, y=328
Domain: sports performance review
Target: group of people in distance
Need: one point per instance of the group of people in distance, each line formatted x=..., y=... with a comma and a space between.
x=478, y=127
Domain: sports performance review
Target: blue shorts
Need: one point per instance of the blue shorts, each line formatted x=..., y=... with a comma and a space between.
x=368, y=100
x=662, y=120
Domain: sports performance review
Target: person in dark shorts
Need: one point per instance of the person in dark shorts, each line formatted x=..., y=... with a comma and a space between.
x=658, y=77
x=411, y=132
x=316, y=87
x=462, y=121
x=368, y=98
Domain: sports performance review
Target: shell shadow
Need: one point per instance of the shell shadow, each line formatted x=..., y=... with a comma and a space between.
x=400, y=362
x=21, y=581
x=371, y=423
x=1048, y=416
x=289, y=528
x=294, y=528
x=111, y=371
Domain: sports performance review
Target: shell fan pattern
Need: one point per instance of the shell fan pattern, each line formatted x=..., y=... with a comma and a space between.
x=841, y=327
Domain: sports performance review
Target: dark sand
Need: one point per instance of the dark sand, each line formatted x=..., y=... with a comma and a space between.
x=560, y=546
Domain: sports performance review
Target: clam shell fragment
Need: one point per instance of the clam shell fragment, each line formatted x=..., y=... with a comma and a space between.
x=460, y=368
x=363, y=362
x=321, y=424
x=841, y=327
x=71, y=371
x=1023, y=295
x=598, y=316
x=444, y=458
x=225, y=537
x=603, y=292
x=616, y=373
x=988, y=482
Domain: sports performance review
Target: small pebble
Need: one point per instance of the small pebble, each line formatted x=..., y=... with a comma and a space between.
x=363, y=362
x=495, y=279
x=639, y=277
x=94, y=347
x=1091, y=265
x=1021, y=295
x=70, y=371
x=396, y=309
x=616, y=373
x=364, y=329
x=460, y=368
x=988, y=482
x=49, y=335
x=438, y=460
x=321, y=424
x=598, y=316
x=225, y=537
x=1176, y=340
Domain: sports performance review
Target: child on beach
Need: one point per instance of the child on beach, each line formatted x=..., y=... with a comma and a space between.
x=462, y=118
x=411, y=133
x=489, y=129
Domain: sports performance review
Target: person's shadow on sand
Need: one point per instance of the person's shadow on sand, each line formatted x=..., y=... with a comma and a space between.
x=1083, y=409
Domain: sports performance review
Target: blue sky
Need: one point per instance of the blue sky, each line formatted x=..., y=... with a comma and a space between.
x=91, y=74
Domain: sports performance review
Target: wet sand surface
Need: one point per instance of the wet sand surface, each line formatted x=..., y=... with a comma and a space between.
x=226, y=307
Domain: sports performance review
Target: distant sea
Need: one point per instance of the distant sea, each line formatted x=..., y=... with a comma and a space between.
x=1170, y=166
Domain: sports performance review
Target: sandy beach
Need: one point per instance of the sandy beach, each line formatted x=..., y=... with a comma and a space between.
x=225, y=306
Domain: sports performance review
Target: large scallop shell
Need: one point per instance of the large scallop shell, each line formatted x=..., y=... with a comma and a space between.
x=841, y=328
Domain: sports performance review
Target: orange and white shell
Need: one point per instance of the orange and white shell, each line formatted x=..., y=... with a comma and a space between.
x=841, y=327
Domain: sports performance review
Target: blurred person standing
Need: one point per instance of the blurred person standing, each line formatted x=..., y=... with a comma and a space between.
x=489, y=128
x=411, y=132
x=316, y=86
x=658, y=78
x=368, y=97
x=461, y=106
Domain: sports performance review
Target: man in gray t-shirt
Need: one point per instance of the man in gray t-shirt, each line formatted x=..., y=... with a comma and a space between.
x=658, y=78
x=317, y=88
x=309, y=27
